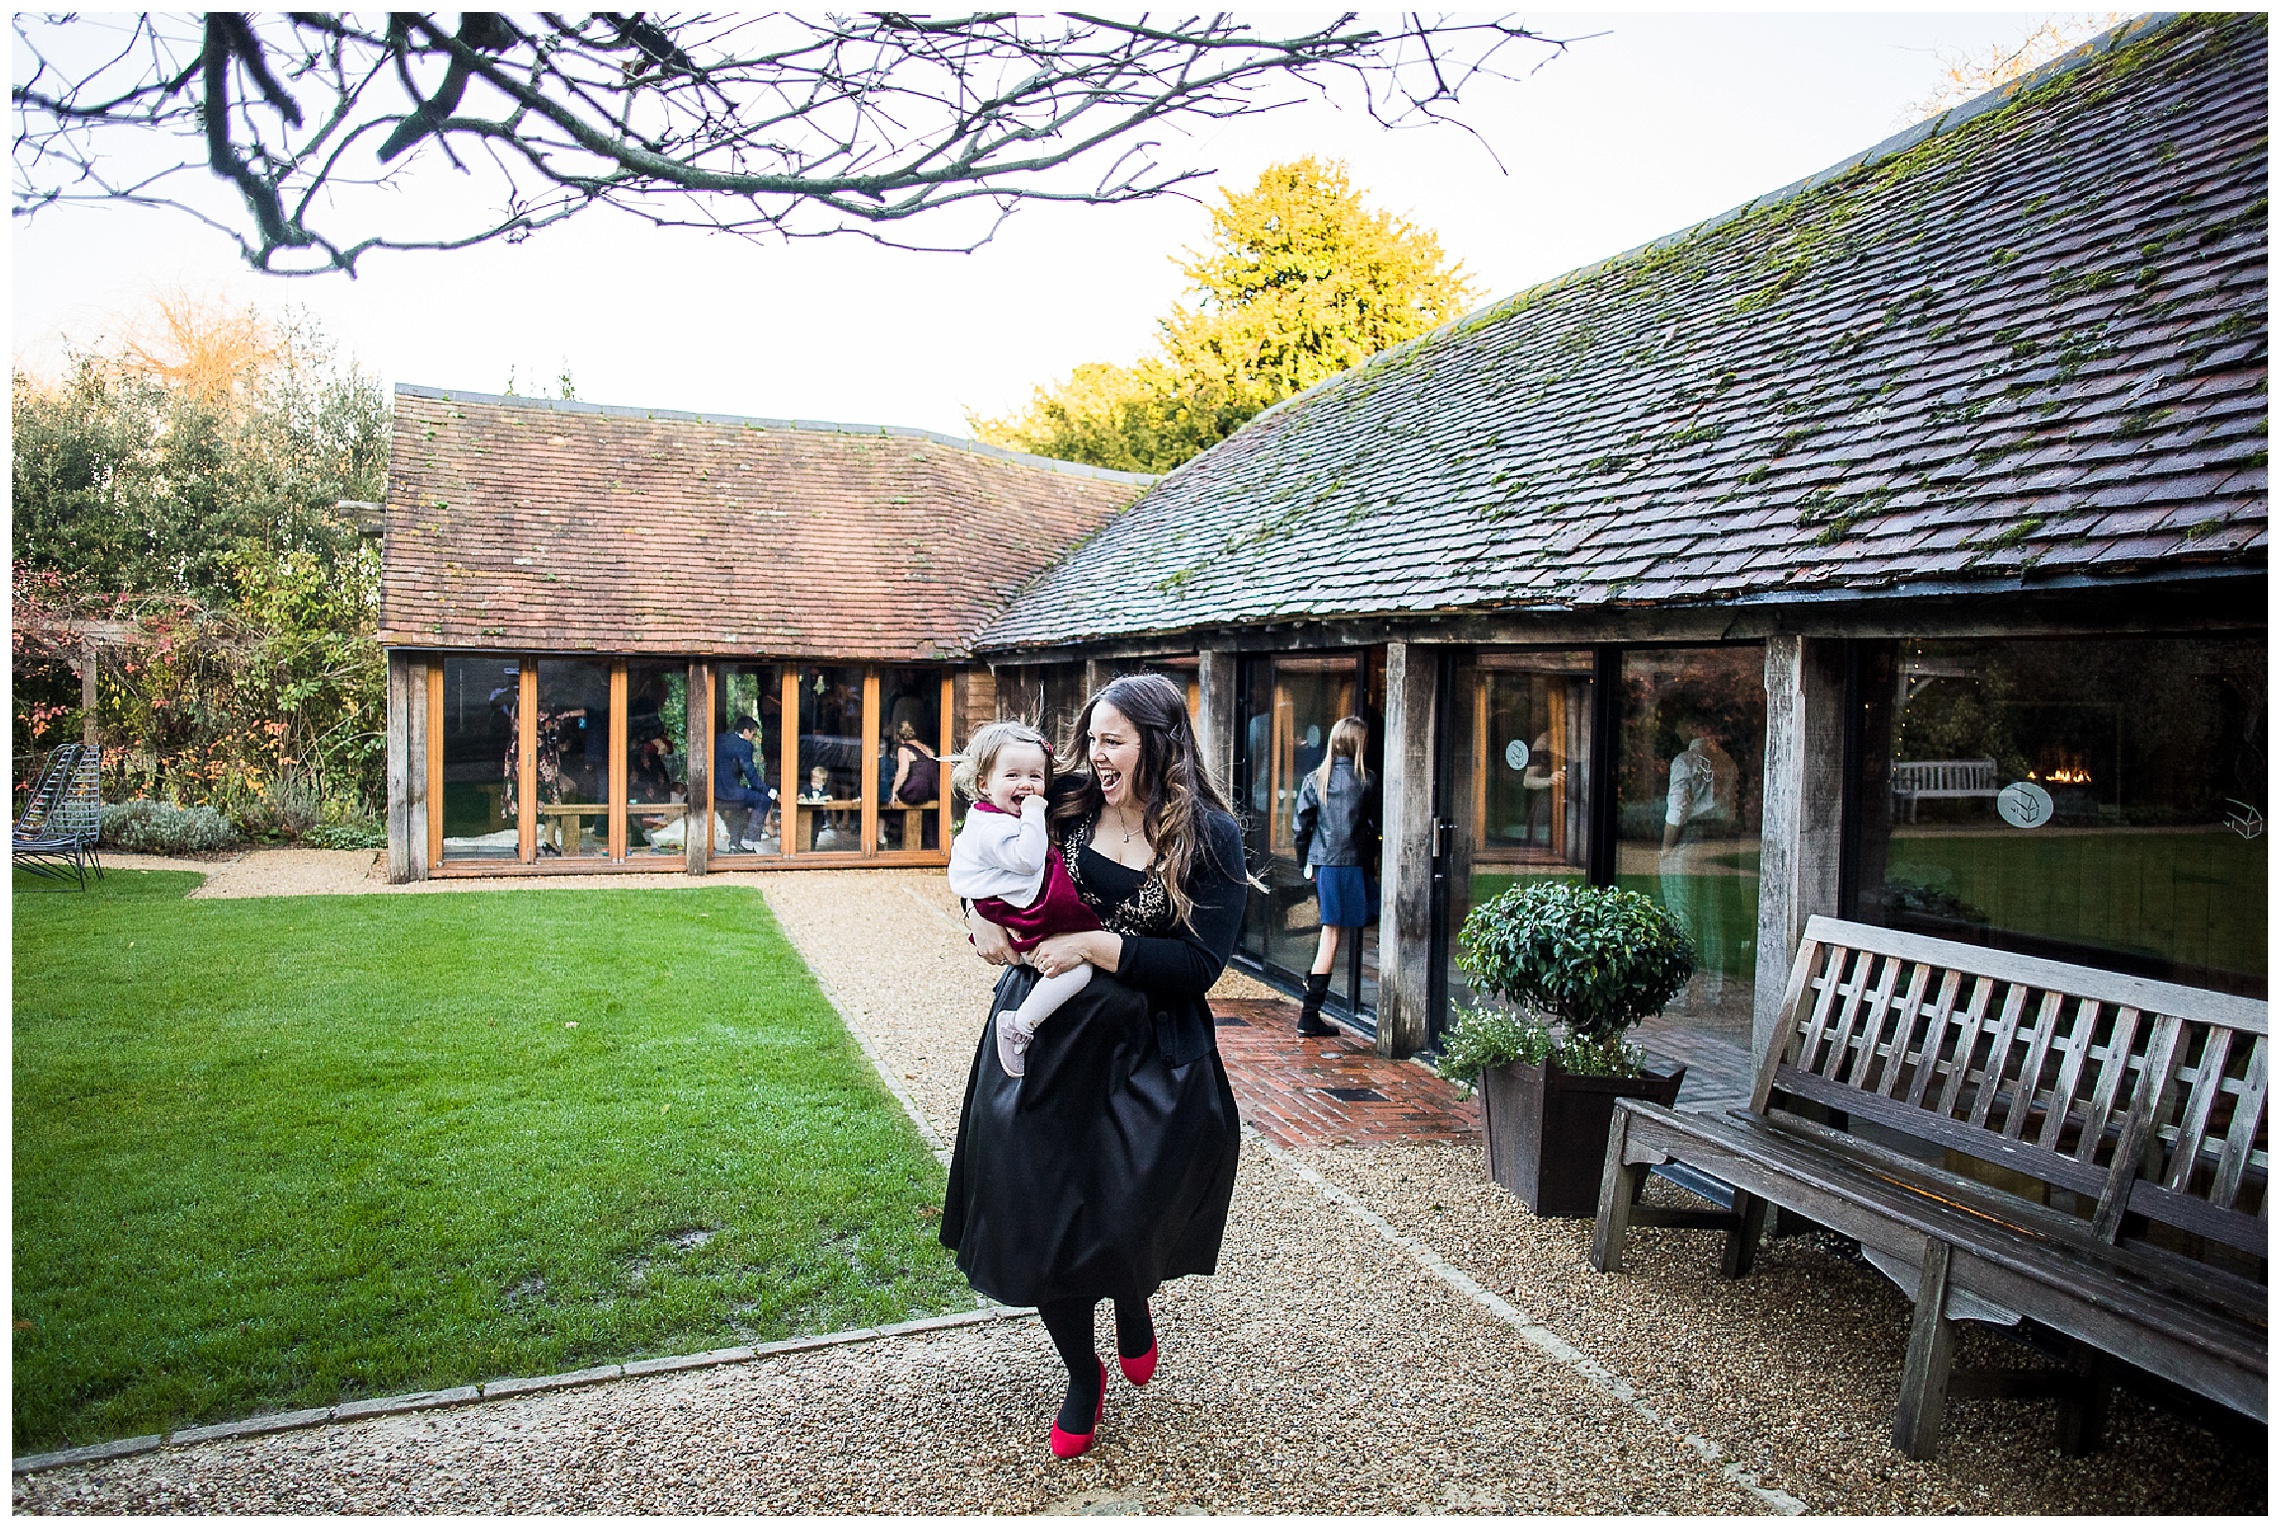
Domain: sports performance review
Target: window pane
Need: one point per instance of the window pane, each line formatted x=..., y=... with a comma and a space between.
x=2092, y=800
x=1183, y=672
x=1689, y=781
x=1061, y=695
x=573, y=759
x=479, y=700
x=1308, y=697
x=1520, y=781
x=657, y=758
x=1255, y=729
x=829, y=815
x=911, y=774
x=747, y=699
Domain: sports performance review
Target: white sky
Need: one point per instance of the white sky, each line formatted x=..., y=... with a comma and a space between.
x=1662, y=121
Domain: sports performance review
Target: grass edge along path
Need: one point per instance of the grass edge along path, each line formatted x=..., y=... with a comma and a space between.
x=290, y=1153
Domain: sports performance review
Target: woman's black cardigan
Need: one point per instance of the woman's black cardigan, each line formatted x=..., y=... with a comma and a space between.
x=1177, y=969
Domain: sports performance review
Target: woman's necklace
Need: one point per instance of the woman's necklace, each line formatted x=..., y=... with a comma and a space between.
x=1127, y=832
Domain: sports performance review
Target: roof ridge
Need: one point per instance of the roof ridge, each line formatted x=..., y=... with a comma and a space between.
x=1898, y=143
x=819, y=426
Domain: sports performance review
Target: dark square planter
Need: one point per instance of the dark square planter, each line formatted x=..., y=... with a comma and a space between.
x=1547, y=1131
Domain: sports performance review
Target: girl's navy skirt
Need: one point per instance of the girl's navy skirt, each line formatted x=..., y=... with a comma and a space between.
x=1348, y=898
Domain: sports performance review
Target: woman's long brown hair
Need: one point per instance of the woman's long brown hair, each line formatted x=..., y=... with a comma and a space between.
x=1173, y=783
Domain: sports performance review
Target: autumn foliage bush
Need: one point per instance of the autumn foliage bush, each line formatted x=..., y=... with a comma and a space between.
x=183, y=494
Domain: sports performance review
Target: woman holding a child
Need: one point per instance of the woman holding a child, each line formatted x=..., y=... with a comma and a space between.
x=1106, y=1166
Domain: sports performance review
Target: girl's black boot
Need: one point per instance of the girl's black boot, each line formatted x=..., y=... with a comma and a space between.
x=1310, y=1016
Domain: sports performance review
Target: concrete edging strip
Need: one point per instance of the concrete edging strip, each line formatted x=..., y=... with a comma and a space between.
x=501, y=1389
x=1542, y=1338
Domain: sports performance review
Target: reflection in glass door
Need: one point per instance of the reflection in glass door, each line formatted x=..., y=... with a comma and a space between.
x=2090, y=799
x=657, y=758
x=912, y=776
x=828, y=814
x=1519, y=786
x=481, y=706
x=1690, y=774
x=571, y=746
x=1287, y=708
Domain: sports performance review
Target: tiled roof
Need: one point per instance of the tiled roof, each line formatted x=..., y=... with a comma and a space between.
x=525, y=524
x=2021, y=343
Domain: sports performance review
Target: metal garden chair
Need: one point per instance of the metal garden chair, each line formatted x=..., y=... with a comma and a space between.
x=62, y=824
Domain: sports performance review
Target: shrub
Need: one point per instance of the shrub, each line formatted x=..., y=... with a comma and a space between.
x=287, y=808
x=1594, y=959
x=160, y=827
x=1480, y=1038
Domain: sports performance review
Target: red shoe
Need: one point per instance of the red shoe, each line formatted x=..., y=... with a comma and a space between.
x=1067, y=1445
x=1139, y=1370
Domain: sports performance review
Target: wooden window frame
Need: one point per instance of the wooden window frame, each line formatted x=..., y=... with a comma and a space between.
x=702, y=698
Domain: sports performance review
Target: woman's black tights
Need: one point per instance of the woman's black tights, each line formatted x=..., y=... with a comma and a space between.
x=1070, y=1324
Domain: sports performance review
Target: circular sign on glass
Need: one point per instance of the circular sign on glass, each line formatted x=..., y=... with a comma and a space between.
x=2023, y=804
x=1515, y=755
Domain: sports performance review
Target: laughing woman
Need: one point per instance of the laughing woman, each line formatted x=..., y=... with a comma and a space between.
x=1107, y=1167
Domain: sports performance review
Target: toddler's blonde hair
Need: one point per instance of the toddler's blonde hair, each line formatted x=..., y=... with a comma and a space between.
x=982, y=749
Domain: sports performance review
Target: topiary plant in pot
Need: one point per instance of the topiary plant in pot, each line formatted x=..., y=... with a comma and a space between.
x=1582, y=964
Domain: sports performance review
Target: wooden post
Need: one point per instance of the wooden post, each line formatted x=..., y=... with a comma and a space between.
x=697, y=816
x=1803, y=819
x=431, y=805
x=1215, y=719
x=1096, y=675
x=89, y=733
x=1405, y=936
x=416, y=783
x=402, y=850
x=870, y=778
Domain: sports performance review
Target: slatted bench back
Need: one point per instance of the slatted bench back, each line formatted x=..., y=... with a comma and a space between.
x=1944, y=777
x=2145, y=1096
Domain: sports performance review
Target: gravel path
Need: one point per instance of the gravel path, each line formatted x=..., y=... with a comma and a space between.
x=1349, y=1357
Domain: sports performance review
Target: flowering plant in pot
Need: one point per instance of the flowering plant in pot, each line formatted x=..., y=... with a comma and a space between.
x=1582, y=964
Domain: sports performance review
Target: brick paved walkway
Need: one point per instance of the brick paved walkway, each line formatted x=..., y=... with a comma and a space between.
x=1331, y=1092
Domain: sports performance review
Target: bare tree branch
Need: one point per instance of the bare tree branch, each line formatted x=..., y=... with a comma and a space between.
x=775, y=125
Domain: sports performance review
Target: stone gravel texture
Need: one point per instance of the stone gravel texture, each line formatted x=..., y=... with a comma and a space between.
x=1324, y=1369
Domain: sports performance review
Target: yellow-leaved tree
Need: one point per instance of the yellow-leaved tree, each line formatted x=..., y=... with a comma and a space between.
x=1301, y=281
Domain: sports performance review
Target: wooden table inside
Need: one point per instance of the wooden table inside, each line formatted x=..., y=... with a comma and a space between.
x=570, y=831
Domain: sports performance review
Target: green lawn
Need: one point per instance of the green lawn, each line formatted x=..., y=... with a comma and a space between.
x=289, y=1152
x=2195, y=898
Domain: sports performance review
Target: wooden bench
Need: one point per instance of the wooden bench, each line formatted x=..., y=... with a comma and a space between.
x=2007, y=1138
x=1919, y=780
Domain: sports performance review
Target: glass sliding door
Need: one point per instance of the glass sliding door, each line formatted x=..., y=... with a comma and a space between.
x=2101, y=800
x=1690, y=776
x=827, y=817
x=748, y=757
x=912, y=776
x=481, y=701
x=572, y=762
x=1287, y=709
x=657, y=759
x=1519, y=806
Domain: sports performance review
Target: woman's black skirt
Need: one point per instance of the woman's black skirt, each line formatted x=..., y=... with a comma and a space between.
x=1101, y=1173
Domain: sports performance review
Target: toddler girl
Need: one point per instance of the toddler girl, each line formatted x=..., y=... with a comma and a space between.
x=1004, y=862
